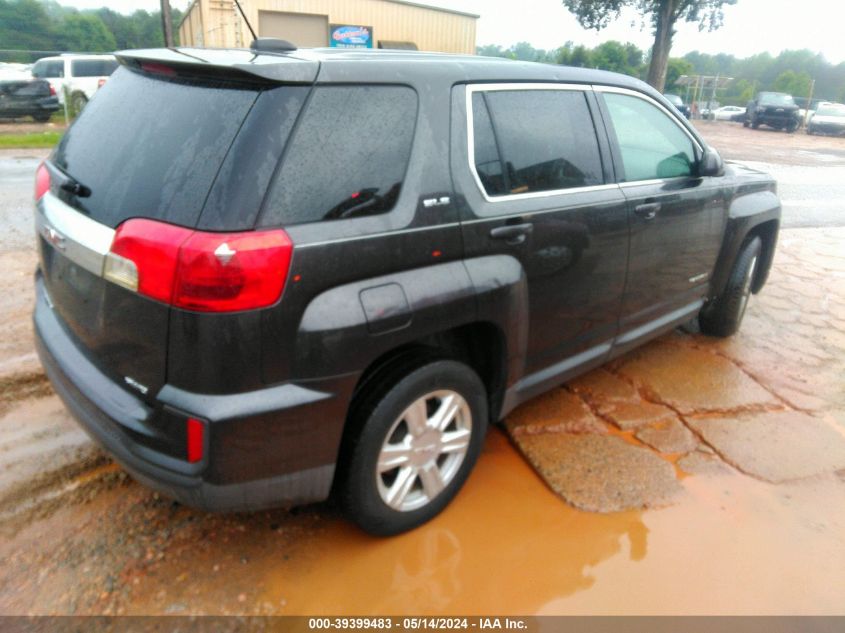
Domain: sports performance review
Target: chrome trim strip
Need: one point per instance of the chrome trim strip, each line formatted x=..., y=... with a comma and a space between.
x=367, y=236
x=552, y=371
x=470, y=89
x=645, y=97
x=647, y=328
x=76, y=236
x=537, y=85
x=554, y=209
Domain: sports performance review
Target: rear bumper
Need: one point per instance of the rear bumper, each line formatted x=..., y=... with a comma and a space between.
x=268, y=448
x=775, y=120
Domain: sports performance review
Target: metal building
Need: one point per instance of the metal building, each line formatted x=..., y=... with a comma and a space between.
x=339, y=23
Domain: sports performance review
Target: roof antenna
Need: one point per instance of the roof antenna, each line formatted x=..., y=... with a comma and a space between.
x=243, y=15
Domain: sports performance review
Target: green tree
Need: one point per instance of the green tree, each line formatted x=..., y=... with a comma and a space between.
x=581, y=57
x=490, y=50
x=662, y=14
x=124, y=28
x=25, y=25
x=618, y=57
x=85, y=32
x=676, y=67
x=796, y=84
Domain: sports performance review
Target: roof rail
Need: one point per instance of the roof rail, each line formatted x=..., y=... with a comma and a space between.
x=271, y=45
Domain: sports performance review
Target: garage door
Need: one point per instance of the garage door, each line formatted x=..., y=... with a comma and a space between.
x=302, y=29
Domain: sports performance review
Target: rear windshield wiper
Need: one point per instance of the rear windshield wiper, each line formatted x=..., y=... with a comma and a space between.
x=75, y=187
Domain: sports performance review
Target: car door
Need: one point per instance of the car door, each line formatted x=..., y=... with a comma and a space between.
x=534, y=174
x=677, y=219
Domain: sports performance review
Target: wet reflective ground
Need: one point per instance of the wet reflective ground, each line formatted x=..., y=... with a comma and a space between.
x=693, y=476
x=507, y=545
x=713, y=473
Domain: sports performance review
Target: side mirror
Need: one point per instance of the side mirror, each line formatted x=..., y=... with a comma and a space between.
x=710, y=164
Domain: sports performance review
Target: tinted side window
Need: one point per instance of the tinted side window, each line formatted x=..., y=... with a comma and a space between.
x=347, y=157
x=546, y=140
x=92, y=67
x=488, y=163
x=651, y=143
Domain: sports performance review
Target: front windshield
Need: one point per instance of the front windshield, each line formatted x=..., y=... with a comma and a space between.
x=832, y=111
x=776, y=99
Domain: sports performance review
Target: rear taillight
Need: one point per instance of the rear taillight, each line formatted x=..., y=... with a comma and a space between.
x=195, y=270
x=42, y=181
x=101, y=83
x=52, y=91
x=195, y=430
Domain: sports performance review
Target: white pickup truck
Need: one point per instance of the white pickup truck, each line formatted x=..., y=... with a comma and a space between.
x=76, y=75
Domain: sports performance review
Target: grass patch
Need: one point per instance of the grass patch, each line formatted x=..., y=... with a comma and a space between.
x=32, y=139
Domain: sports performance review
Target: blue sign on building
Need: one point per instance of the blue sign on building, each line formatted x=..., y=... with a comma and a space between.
x=347, y=36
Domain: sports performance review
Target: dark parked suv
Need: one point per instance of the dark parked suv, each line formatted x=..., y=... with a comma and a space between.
x=267, y=276
x=775, y=109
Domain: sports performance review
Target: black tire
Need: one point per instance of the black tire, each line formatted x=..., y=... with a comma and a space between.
x=380, y=419
x=78, y=102
x=41, y=118
x=723, y=315
x=745, y=122
x=755, y=124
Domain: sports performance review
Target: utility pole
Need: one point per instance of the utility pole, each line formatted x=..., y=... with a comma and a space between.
x=809, y=99
x=166, y=23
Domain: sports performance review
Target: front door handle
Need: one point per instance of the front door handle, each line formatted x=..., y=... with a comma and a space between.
x=648, y=210
x=512, y=233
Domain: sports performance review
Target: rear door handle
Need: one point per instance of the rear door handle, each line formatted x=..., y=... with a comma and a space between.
x=648, y=210
x=512, y=233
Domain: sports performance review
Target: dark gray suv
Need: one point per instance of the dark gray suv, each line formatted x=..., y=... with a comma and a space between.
x=267, y=276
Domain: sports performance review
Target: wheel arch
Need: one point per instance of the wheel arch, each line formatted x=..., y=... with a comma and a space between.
x=750, y=215
x=481, y=345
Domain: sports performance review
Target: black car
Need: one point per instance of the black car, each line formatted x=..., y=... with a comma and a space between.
x=27, y=97
x=774, y=109
x=679, y=104
x=330, y=270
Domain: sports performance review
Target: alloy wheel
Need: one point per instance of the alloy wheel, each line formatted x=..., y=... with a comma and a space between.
x=423, y=450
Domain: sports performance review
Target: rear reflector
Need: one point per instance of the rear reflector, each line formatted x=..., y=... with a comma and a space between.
x=195, y=430
x=42, y=182
x=195, y=270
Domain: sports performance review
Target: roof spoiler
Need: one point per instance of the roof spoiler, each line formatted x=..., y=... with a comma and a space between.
x=229, y=64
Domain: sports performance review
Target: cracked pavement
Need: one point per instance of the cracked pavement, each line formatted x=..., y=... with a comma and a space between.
x=768, y=402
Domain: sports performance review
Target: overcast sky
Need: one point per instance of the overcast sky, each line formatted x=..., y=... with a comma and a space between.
x=751, y=26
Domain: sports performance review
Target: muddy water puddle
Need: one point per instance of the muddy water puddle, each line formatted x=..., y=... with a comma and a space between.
x=507, y=545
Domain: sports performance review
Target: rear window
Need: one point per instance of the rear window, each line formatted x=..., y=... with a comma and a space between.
x=347, y=157
x=92, y=67
x=151, y=147
x=776, y=99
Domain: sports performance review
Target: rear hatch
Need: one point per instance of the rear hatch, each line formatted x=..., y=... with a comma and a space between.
x=137, y=169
